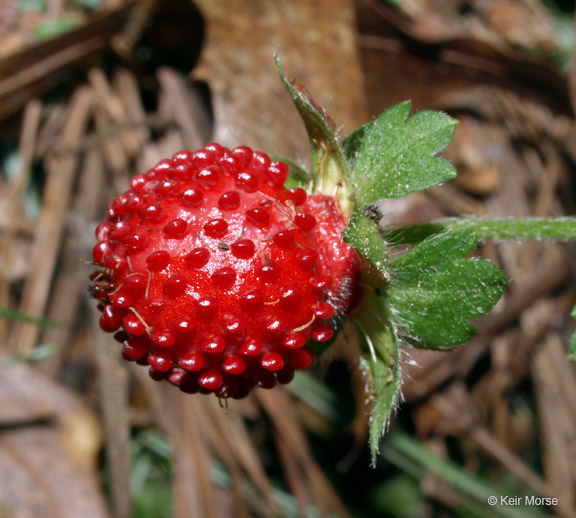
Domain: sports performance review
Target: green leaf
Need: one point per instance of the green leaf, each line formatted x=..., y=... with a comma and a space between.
x=395, y=155
x=330, y=171
x=434, y=290
x=572, y=347
x=15, y=314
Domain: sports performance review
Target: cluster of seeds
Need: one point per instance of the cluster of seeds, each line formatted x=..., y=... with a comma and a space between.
x=217, y=276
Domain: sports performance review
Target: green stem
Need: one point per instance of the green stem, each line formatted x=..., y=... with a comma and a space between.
x=558, y=229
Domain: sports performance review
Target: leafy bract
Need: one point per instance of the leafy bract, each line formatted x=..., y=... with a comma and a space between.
x=435, y=290
x=330, y=171
x=394, y=155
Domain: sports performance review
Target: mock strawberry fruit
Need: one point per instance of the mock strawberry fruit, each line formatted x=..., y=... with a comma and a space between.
x=217, y=276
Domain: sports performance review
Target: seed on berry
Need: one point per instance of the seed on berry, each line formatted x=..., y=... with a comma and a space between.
x=322, y=331
x=296, y=195
x=120, y=299
x=193, y=361
x=259, y=217
x=272, y=361
x=289, y=297
x=229, y=200
x=163, y=337
x=247, y=181
x=277, y=173
x=301, y=359
x=101, y=252
x=166, y=189
x=102, y=231
x=224, y=277
x=235, y=329
x=206, y=307
x=176, y=228
x=135, y=242
x=260, y=161
x=177, y=377
x=182, y=172
x=115, y=262
x=284, y=239
x=111, y=318
x=208, y=178
x=202, y=158
x=198, y=257
x=183, y=157
x=307, y=258
x=234, y=364
x=251, y=347
x=155, y=374
x=158, y=260
x=304, y=221
x=276, y=325
x=161, y=361
x=268, y=273
x=152, y=213
x=216, y=228
x=134, y=348
x=324, y=310
x=191, y=197
x=133, y=325
x=136, y=283
x=161, y=167
x=210, y=379
x=228, y=164
x=138, y=182
x=294, y=340
x=134, y=202
x=285, y=375
x=217, y=150
x=319, y=282
x=175, y=286
x=243, y=155
x=119, y=231
x=252, y=300
x=243, y=249
x=184, y=325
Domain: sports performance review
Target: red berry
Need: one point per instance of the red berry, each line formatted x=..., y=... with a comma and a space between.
x=211, y=276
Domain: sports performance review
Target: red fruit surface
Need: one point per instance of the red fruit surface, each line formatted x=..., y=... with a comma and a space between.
x=220, y=278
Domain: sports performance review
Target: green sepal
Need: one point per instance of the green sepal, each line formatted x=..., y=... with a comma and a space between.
x=330, y=171
x=434, y=290
x=394, y=155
